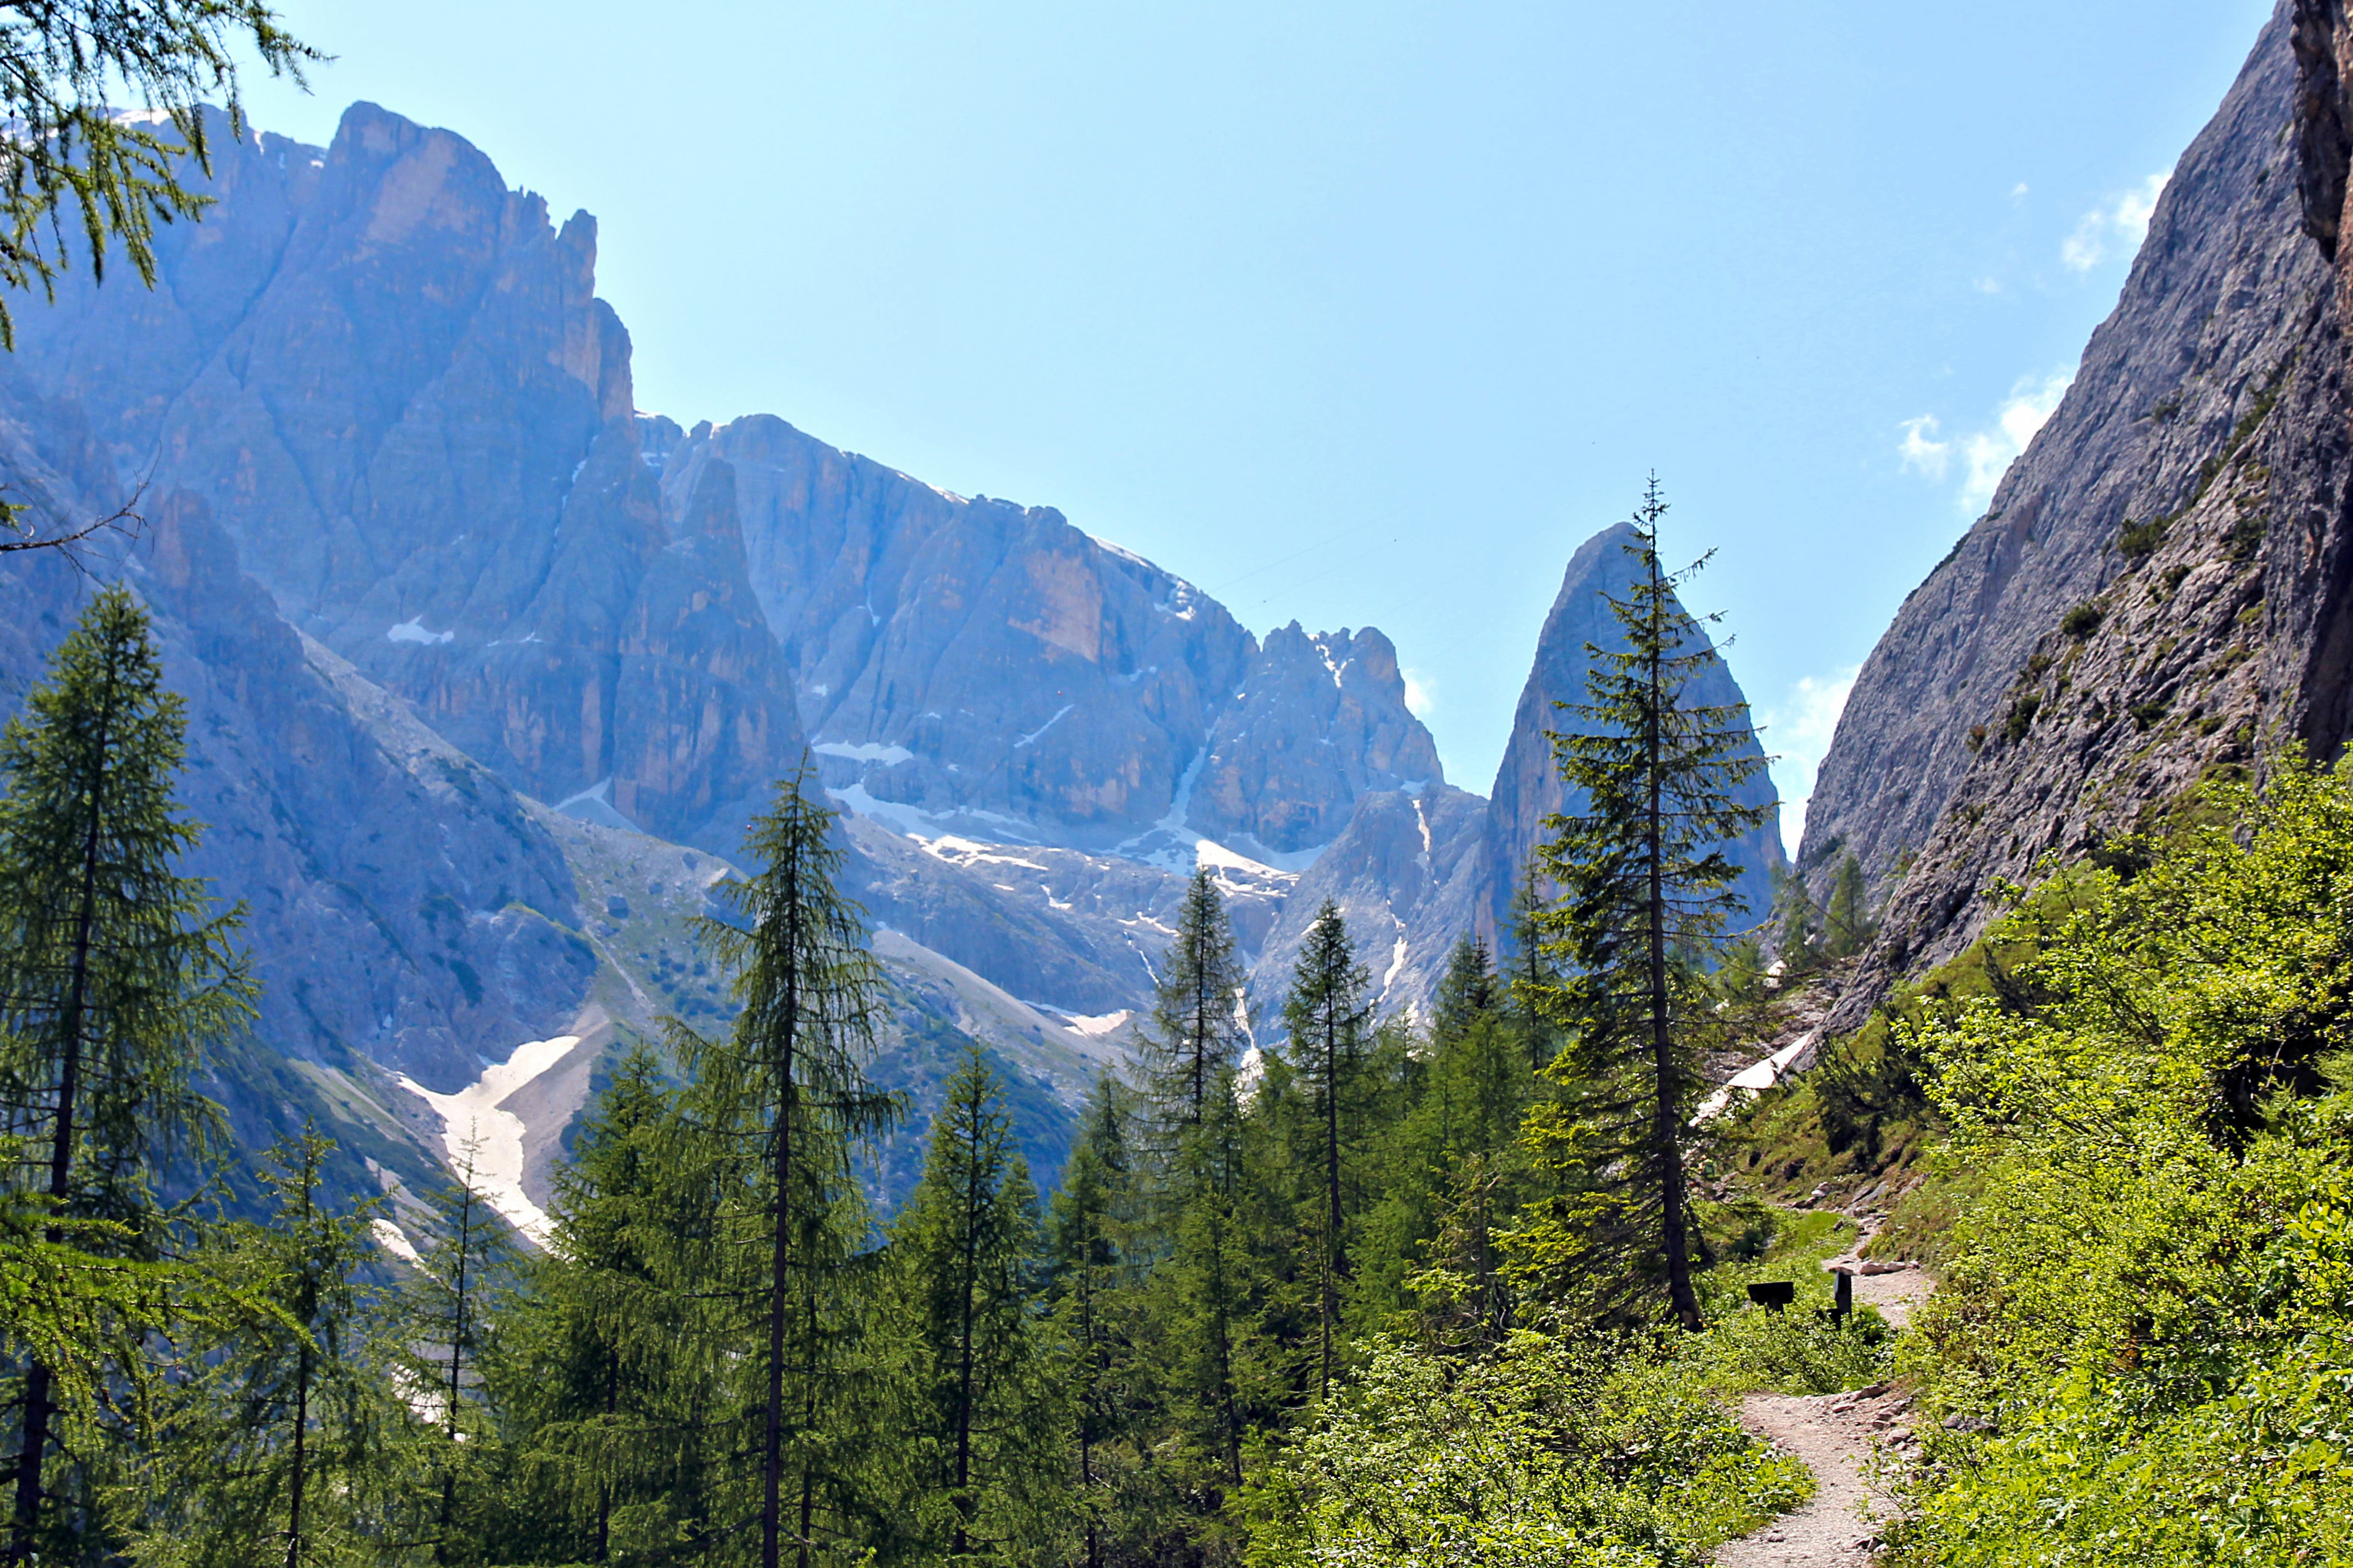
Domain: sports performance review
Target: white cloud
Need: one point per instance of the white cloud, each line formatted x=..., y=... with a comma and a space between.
x=1985, y=455
x=2118, y=225
x=1420, y=694
x=1921, y=450
x=1798, y=727
x=2023, y=413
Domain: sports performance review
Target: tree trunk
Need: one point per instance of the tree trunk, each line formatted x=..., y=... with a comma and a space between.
x=1336, y=1247
x=772, y=1473
x=456, y=1365
x=964, y=1343
x=40, y=1383
x=1666, y=1150
x=301, y=1430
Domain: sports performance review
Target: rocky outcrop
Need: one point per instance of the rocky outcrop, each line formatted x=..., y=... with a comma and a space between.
x=972, y=660
x=1528, y=785
x=1320, y=722
x=389, y=379
x=2160, y=590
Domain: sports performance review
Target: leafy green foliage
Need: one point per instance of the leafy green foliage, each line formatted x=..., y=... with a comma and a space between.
x=116, y=975
x=1555, y=1452
x=2142, y=1344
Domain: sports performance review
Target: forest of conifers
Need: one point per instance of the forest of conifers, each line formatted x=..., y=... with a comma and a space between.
x=1461, y=1290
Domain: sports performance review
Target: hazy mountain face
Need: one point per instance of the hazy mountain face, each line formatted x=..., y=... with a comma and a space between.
x=488, y=669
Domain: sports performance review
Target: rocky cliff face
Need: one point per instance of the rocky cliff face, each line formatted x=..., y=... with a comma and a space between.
x=487, y=669
x=422, y=567
x=1528, y=785
x=388, y=378
x=2160, y=589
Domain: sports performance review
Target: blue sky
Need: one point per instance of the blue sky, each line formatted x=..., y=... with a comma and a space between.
x=1364, y=314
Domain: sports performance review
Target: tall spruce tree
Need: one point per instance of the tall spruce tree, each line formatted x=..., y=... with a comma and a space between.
x=788, y=1081
x=1093, y=1237
x=1529, y=977
x=1467, y=992
x=609, y=1364
x=284, y=1426
x=1329, y=1019
x=115, y=971
x=1195, y=1012
x=983, y=1424
x=1648, y=889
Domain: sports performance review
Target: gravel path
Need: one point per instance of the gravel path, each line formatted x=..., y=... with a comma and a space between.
x=1833, y=1433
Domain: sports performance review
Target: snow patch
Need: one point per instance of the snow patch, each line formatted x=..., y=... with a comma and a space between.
x=394, y=1240
x=1098, y=1024
x=1759, y=1076
x=413, y=630
x=477, y=1112
x=1396, y=963
x=1059, y=714
x=594, y=805
x=864, y=750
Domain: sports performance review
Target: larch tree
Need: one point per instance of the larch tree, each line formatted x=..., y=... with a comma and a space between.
x=788, y=1085
x=983, y=1415
x=283, y=1427
x=448, y=1328
x=1647, y=889
x=1847, y=925
x=1329, y=1021
x=116, y=972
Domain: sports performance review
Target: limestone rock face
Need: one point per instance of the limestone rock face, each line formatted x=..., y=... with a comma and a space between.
x=966, y=658
x=1321, y=719
x=2160, y=589
x=1528, y=785
x=388, y=378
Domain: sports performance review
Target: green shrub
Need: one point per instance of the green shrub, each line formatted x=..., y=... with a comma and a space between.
x=1556, y=1452
x=2137, y=542
x=2141, y=1351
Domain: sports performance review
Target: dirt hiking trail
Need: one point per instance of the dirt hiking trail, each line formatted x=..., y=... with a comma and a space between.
x=1834, y=1434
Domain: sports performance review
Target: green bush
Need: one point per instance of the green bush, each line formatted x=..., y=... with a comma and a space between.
x=1556, y=1452
x=2142, y=1348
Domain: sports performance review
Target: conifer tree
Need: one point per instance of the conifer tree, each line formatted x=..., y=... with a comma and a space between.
x=1093, y=1238
x=608, y=1359
x=1196, y=1024
x=1529, y=978
x=448, y=1329
x=1328, y=1018
x=1468, y=991
x=286, y=1427
x=1847, y=925
x=1648, y=889
x=788, y=1085
x=983, y=1424
x=115, y=971
x=1797, y=924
